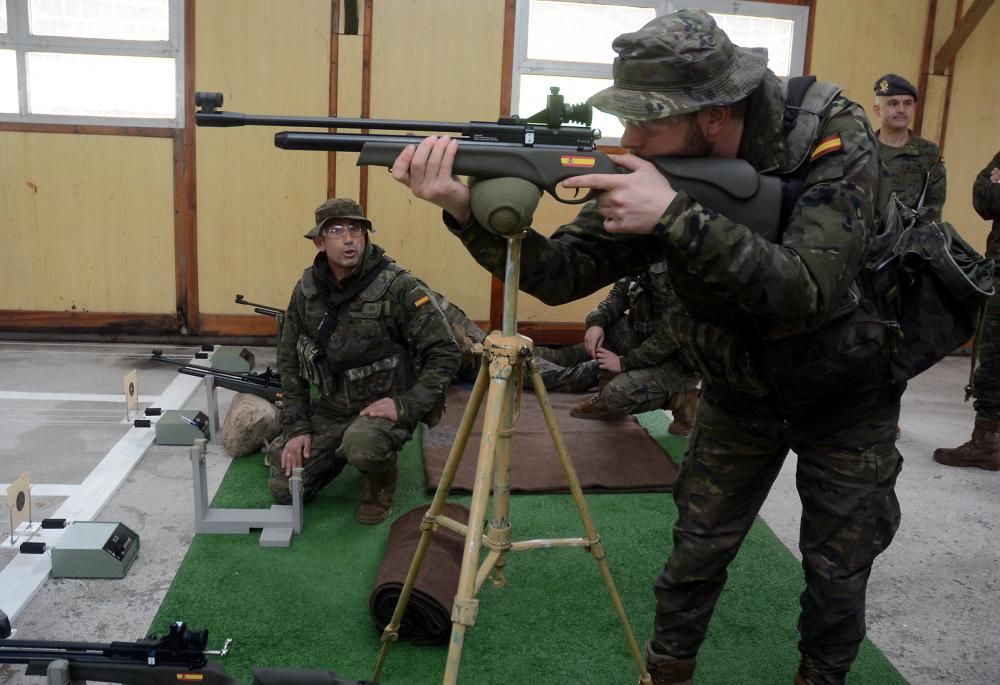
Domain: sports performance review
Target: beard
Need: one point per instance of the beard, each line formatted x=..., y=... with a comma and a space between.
x=695, y=142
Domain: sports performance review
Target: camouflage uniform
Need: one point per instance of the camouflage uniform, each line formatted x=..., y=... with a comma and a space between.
x=789, y=358
x=391, y=340
x=986, y=382
x=912, y=167
x=633, y=316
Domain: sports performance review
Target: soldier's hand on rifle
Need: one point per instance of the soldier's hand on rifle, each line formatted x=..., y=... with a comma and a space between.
x=384, y=408
x=295, y=452
x=426, y=169
x=632, y=202
x=593, y=338
x=609, y=361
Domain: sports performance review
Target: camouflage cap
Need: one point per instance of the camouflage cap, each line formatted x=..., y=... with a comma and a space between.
x=678, y=63
x=893, y=84
x=338, y=208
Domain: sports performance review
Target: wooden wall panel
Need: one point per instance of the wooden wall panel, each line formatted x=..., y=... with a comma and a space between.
x=441, y=60
x=973, y=129
x=254, y=200
x=87, y=223
x=856, y=41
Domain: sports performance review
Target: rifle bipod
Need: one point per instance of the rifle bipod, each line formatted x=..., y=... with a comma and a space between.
x=505, y=356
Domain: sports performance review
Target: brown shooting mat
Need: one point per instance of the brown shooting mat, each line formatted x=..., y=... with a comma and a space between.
x=608, y=456
x=427, y=619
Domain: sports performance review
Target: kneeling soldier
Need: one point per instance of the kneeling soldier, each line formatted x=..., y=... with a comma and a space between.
x=372, y=340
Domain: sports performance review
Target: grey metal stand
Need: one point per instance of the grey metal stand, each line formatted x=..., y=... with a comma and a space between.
x=277, y=524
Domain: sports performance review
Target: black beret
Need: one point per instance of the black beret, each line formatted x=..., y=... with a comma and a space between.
x=891, y=84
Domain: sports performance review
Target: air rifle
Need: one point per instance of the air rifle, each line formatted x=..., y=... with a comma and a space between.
x=539, y=149
x=178, y=657
x=266, y=384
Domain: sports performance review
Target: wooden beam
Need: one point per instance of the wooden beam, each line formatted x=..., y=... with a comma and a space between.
x=925, y=63
x=88, y=129
x=961, y=33
x=185, y=193
x=950, y=80
x=334, y=67
x=366, y=91
x=22, y=321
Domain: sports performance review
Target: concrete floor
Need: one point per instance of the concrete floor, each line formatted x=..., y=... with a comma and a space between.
x=933, y=603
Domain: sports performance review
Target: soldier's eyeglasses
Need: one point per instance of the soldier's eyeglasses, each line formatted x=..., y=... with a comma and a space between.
x=338, y=230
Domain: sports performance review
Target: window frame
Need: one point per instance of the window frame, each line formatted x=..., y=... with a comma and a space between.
x=19, y=39
x=522, y=66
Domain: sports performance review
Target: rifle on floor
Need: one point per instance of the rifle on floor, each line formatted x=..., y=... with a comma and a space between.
x=539, y=149
x=178, y=657
x=266, y=384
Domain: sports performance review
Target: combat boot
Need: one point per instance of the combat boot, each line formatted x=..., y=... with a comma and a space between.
x=684, y=406
x=672, y=672
x=592, y=408
x=376, y=502
x=983, y=450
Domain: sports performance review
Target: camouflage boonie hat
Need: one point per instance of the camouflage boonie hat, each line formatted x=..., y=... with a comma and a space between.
x=338, y=208
x=678, y=63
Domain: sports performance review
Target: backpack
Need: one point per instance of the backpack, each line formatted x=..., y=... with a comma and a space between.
x=920, y=275
x=932, y=283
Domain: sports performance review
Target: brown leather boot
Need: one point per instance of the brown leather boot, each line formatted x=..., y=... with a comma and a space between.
x=376, y=502
x=983, y=450
x=593, y=408
x=684, y=406
x=674, y=672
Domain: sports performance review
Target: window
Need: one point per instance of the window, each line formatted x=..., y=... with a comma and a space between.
x=567, y=43
x=115, y=62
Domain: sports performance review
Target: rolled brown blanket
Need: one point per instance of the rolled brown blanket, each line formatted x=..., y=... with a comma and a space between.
x=427, y=620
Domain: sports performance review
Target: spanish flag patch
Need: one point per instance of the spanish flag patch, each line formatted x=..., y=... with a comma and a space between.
x=826, y=146
x=421, y=302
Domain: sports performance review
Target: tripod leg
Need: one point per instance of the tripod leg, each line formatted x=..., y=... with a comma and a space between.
x=466, y=605
x=596, y=546
x=429, y=525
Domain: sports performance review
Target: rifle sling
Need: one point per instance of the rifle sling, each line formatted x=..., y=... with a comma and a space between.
x=329, y=323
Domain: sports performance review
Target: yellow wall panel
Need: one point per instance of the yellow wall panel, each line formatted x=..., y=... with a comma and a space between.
x=856, y=41
x=349, y=87
x=254, y=200
x=973, y=135
x=87, y=223
x=439, y=60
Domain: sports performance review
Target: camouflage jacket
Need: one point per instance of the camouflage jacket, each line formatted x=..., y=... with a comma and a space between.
x=986, y=201
x=645, y=299
x=757, y=297
x=391, y=340
x=910, y=168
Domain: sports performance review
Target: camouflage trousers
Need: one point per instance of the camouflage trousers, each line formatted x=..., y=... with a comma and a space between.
x=369, y=444
x=986, y=380
x=570, y=368
x=846, y=474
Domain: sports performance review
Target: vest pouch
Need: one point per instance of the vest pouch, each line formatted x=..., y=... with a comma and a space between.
x=848, y=355
x=313, y=365
x=943, y=285
x=718, y=354
x=365, y=384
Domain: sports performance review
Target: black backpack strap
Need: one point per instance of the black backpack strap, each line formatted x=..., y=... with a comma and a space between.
x=797, y=87
x=329, y=323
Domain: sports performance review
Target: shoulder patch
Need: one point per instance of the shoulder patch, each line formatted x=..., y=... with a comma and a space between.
x=421, y=302
x=826, y=146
